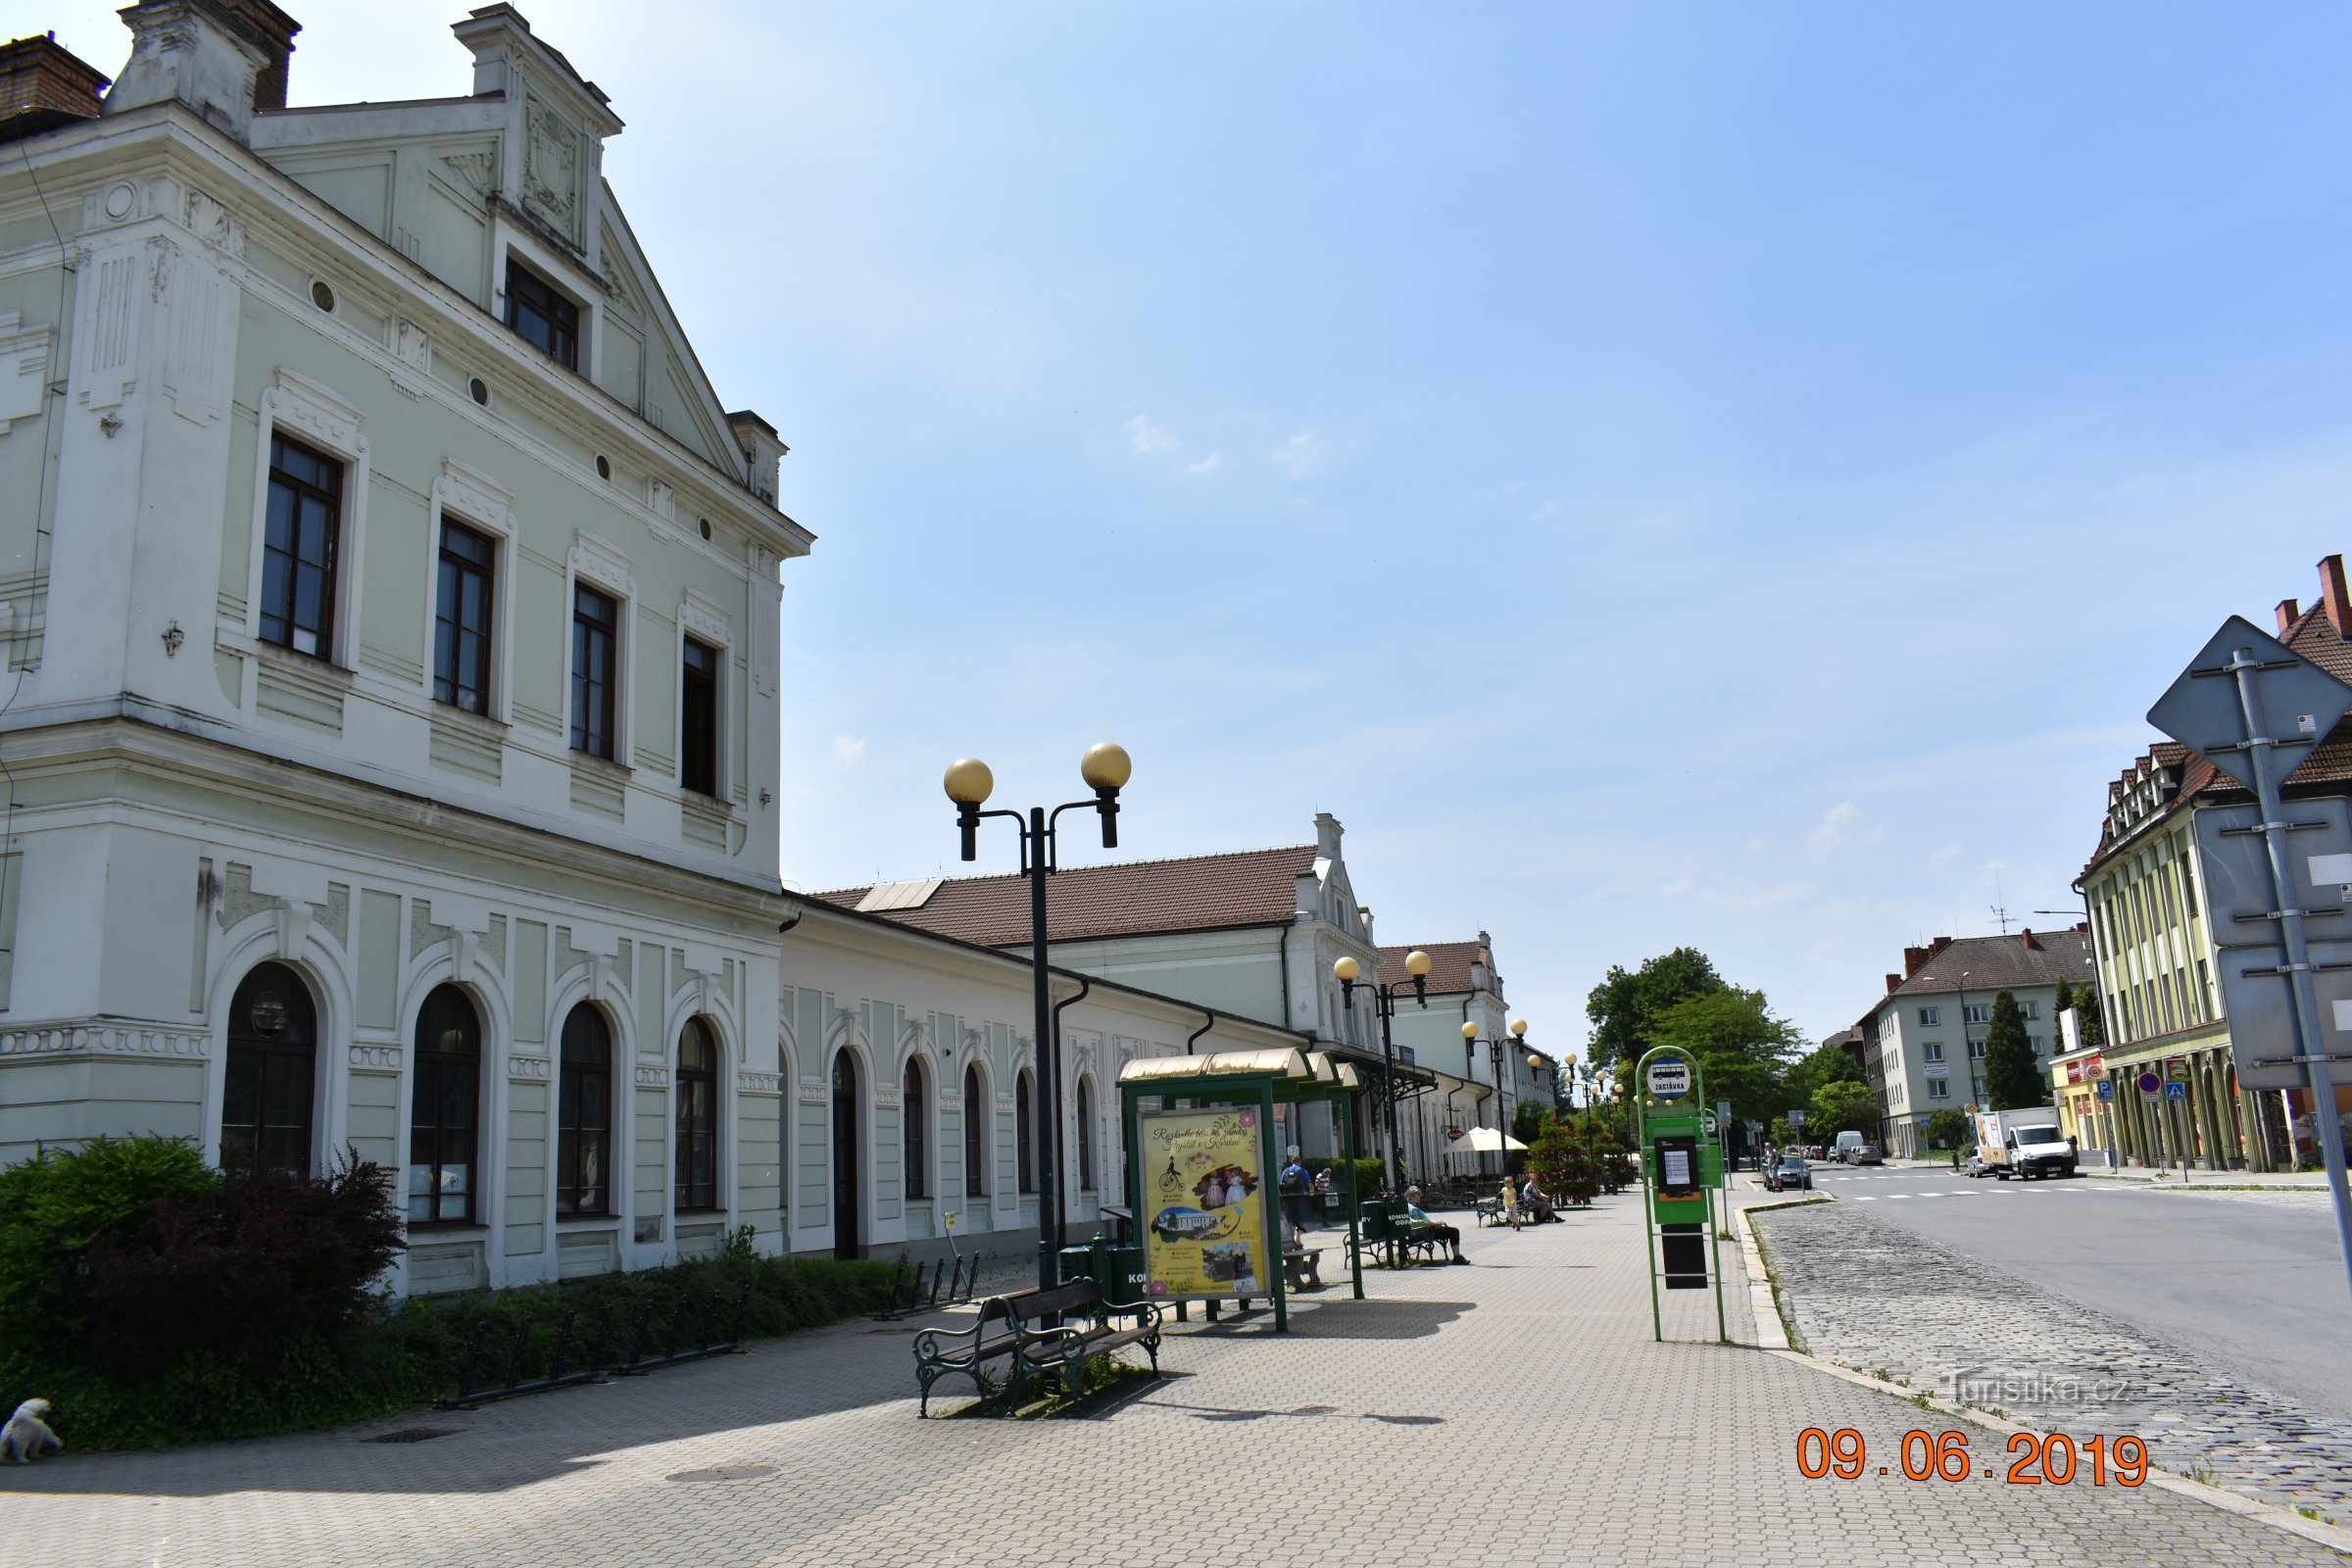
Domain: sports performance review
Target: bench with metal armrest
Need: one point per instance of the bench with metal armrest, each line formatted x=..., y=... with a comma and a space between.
x=1041, y=1346
x=974, y=1352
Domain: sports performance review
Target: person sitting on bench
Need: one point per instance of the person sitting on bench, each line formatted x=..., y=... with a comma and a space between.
x=1451, y=1234
x=1539, y=1206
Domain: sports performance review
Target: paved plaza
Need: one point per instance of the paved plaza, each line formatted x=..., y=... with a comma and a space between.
x=1515, y=1410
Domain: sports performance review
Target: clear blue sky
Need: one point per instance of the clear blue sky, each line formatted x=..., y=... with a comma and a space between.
x=1726, y=476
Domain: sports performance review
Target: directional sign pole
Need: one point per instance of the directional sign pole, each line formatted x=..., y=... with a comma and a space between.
x=2311, y=1044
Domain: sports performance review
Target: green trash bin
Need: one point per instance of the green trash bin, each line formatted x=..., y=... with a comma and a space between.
x=1082, y=1263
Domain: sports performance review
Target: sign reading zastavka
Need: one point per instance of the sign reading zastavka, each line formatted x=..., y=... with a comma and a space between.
x=1205, y=1204
x=1669, y=1078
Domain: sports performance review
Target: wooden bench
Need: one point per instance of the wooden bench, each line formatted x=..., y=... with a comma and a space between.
x=1041, y=1346
x=1391, y=1226
x=969, y=1353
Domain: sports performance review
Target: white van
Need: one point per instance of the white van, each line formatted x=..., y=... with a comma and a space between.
x=1848, y=1145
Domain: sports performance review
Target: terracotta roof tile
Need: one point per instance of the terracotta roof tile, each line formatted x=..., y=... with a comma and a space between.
x=1449, y=966
x=1995, y=964
x=1202, y=893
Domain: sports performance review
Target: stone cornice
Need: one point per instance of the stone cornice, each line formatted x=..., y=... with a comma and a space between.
x=105, y=1039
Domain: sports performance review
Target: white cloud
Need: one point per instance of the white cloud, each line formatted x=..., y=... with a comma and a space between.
x=1302, y=456
x=1208, y=464
x=1837, y=826
x=849, y=747
x=1147, y=437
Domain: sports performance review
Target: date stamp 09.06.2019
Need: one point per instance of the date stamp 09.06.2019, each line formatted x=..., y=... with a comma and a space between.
x=2034, y=1459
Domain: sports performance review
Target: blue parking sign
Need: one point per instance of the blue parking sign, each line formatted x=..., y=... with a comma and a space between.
x=2106, y=1089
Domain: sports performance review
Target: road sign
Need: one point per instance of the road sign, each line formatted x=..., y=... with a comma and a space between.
x=2175, y=1069
x=2257, y=995
x=1708, y=1122
x=2254, y=708
x=2301, y=702
x=2175, y=1091
x=1796, y=1118
x=1669, y=1078
x=2149, y=1083
x=2106, y=1089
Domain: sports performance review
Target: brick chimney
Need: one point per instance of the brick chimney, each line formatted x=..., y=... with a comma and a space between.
x=2286, y=612
x=1892, y=981
x=2030, y=944
x=2333, y=596
x=43, y=86
x=1913, y=959
x=270, y=31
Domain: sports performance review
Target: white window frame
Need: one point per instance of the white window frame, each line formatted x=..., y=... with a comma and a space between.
x=513, y=244
x=1940, y=1088
x=706, y=621
x=1930, y=1017
x=602, y=565
x=471, y=498
x=322, y=419
x=1931, y=1051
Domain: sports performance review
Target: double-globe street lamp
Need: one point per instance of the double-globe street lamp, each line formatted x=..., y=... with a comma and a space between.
x=1106, y=768
x=1384, y=1002
x=1503, y=1157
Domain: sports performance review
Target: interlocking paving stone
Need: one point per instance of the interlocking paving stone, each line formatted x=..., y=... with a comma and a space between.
x=1878, y=1298
x=1514, y=1410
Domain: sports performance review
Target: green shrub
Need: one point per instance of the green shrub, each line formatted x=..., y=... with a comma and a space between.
x=154, y=1301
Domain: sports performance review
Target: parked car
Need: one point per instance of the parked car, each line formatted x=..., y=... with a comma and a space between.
x=1975, y=1166
x=1789, y=1170
x=1867, y=1154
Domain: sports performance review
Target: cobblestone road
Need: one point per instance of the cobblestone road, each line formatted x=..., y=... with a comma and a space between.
x=1512, y=1411
x=1877, y=1297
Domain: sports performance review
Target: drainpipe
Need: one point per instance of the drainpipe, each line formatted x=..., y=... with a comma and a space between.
x=1086, y=984
x=1283, y=962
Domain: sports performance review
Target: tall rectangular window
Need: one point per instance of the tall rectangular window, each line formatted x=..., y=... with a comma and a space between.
x=541, y=317
x=697, y=718
x=462, y=619
x=299, y=548
x=1929, y=1018
x=595, y=666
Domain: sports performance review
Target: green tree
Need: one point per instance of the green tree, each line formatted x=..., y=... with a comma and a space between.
x=1742, y=1050
x=1528, y=1117
x=1947, y=1129
x=1846, y=1106
x=1562, y=1163
x=1826, y=1065
x=2013, y=1074
x=1624, y=1007
x=2089, y=1027
x=1779, y=1133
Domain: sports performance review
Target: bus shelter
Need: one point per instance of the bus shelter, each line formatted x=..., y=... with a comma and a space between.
x=1201, y=1165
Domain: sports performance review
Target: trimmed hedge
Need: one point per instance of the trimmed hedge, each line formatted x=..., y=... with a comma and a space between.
x=154, y=1301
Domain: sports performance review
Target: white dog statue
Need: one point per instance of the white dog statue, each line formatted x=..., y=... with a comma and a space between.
x=27, y=1433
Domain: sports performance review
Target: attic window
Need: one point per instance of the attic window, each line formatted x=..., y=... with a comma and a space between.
x=543, y=318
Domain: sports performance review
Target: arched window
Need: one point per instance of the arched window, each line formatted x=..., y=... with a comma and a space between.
x=914, y=1118
x=698, y=1117
x=1086, y=1135
x=1024, y=1129
x=585, y=1115
x=444, y=1116
x=975, y=1142
x=270, y=1074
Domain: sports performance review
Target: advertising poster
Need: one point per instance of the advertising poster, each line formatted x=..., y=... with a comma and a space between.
x=1204, y=1205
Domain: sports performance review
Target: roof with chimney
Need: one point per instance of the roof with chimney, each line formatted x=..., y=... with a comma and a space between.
x=1449, y=966
x=2169, y=776
x=2010, y=963
x=1137, y=898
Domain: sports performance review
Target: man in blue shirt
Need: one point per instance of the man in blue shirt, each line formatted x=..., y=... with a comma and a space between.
x=1451, y=1234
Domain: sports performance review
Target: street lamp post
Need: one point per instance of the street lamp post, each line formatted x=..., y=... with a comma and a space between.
x=1349, y=974
x=1502, y=1155
x=1106, y=768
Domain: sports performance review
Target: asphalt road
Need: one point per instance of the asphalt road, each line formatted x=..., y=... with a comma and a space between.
x=2255, y=1285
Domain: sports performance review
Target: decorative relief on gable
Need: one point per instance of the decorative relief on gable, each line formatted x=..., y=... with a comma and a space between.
x=551, y=164
x=477, y=171
x=215, y=225
x=664, y=500
x=413, y=346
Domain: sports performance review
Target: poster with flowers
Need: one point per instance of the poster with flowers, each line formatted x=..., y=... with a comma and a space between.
x=1204, y=1203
